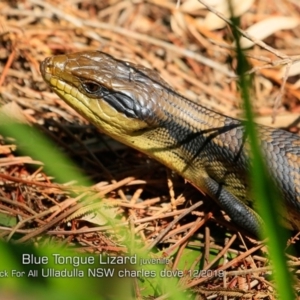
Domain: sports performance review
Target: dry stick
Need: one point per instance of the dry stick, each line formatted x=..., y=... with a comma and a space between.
x=207, y=246
x=249, y=271
x=137, y=36
x=245, y=246
x=7, y=66
x=18, y=204
x=104, y=190
x=246, y=34
x=42, y=214
x=197, y=224
x=66, y=232
x=179, y=255
x=57, y=210
x=87, y=230
x=16, y=212
x=281, y=92
x=41, y=184
x=221, y=253
x=285, y=59
x=228, y=265
x=38, y=231
x=178, y=230
x=72, y=210
x=115, y=186
x=168, y=46
x=165, y=231
x=231, y=293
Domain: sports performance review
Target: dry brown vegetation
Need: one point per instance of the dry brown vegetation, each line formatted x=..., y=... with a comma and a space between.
x=193, y=53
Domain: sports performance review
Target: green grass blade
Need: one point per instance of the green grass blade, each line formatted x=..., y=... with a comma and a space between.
x=263, y=189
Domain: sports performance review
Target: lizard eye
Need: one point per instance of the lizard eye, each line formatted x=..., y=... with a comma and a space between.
x=91, y=87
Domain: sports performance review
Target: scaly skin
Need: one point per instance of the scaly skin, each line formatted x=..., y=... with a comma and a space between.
x=136, y=107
